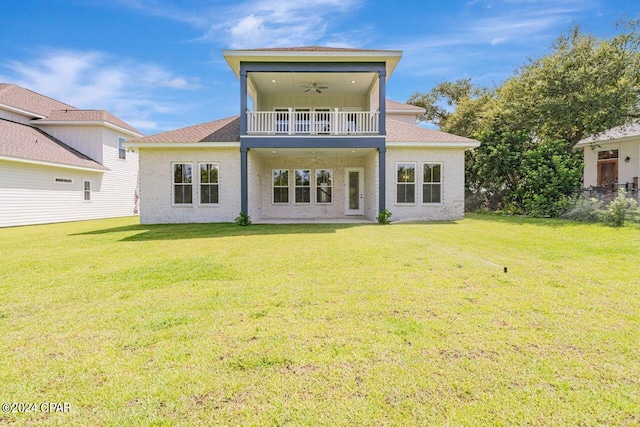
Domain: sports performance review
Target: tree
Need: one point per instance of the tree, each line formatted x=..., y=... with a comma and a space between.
x=583, y=86
x=444, y=100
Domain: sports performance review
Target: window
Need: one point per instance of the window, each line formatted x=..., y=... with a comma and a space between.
x=209, y=183
x=87, y=191
x=607, y=154
x=122, y=152
x=303, y=185
x=406, y=182
x=324, y=185
x=280, y=186
x=182, y=184
x=432, y=183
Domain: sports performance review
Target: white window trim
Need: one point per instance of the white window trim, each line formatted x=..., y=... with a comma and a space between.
x=302, y=186
x=422, y=183
x=210, y=205
x=173, y=186
x=84, y=191
x=120, y=138
x=415, y=183
x=315, y=187
x=273, y=186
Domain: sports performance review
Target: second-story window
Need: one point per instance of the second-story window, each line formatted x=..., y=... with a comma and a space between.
x=122, y=152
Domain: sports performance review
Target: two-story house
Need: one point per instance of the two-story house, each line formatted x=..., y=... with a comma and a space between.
x=316, y=139
x=59, y=163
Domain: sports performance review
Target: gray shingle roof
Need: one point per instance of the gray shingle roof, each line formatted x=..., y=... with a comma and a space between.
x=624, y=131
x=228, y=130
x=74, y=115
x=25, y=99
x=401, y=106
x=27, y=142
x=223, y=130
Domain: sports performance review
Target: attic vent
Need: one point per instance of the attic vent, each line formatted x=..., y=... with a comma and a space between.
x=65, y=180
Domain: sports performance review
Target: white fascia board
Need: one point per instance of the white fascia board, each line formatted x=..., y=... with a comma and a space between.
x=583, y=144
x=21, y=111
x=88, y=123
x=435, y=144
x=58, y=165
x=412, y=112
x=133, y=144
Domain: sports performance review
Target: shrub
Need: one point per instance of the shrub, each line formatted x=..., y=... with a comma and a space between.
x=383, y=217
x=622, y=209
x=243, y=219
x=584, y=209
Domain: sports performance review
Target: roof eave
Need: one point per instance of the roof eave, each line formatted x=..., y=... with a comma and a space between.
x=87, y=123
x=438, y=144
x=205, y=144
x=101, y=169
x=21, y=111
x=231, y=56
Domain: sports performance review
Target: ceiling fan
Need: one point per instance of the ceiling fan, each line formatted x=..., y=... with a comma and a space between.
x=314, y=87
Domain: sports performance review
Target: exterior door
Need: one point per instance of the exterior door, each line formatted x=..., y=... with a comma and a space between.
x=354, y=191
x=608, y=173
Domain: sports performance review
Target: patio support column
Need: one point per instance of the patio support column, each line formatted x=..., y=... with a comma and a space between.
x=382, y=102
x=244, y=194
x=382, y=178
x=243, y=100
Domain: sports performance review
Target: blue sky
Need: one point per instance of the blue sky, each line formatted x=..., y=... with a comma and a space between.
x=158, y=64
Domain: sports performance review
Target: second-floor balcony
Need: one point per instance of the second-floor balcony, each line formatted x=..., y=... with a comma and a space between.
x=327, y=122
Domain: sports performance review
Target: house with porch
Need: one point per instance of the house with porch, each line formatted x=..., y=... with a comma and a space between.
x=316, y=139
x=60, y=163
x=611, y=158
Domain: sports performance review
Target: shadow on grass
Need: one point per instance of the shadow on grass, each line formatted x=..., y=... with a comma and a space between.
x=216, y=230
x=523, y=220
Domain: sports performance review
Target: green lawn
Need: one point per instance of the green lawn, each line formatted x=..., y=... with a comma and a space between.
x=322, y=324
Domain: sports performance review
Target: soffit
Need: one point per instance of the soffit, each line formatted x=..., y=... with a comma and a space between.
x=297, y=83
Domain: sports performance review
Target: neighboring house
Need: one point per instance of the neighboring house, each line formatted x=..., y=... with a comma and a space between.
x=320, y=142
x=59, y=163
x=611, y=158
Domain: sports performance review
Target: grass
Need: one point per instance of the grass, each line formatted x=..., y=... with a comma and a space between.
x=408, y=324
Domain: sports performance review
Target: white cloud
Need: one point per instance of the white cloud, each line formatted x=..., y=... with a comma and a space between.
x=89, y=80
x=259, y=23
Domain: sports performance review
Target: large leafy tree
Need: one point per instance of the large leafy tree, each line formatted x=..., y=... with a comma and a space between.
x=530, y=123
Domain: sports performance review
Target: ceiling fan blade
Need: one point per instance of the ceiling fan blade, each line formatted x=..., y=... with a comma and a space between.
x=318, y=90
x=308, y=90
x=323, y=87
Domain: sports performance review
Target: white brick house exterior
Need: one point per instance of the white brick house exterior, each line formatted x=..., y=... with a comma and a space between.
x=322, y=144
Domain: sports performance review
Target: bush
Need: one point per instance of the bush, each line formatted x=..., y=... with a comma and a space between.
x=383, y=217
x=622, y=209
x=584, y=209
x=243, y=219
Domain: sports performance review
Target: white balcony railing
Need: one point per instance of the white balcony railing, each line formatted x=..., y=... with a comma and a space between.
x=313, y=122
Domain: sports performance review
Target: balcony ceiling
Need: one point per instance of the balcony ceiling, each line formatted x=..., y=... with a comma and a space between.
x=297, y=83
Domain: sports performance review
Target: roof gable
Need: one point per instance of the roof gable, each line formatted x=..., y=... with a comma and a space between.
x=66, y=116
x=29, y=143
